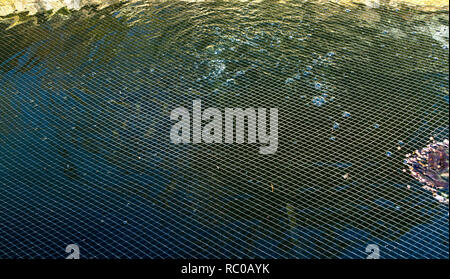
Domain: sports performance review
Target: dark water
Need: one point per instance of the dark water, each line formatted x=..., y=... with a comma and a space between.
x=85, y=154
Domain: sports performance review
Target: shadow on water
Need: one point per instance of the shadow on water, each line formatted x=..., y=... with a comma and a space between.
x=84, y=131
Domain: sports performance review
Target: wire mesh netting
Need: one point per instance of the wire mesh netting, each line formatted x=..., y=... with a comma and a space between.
x=85, y=152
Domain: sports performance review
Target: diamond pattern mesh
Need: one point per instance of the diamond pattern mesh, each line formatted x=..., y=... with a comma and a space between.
x=85, y=154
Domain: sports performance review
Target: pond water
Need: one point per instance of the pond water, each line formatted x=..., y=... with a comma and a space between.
x=85, y=152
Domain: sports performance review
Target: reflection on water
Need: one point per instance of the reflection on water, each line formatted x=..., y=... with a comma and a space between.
x=84, y=131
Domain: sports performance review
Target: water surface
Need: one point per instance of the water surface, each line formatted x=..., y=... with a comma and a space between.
x=85, y=153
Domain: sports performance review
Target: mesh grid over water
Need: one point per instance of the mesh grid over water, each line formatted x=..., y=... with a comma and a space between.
x=85, y=154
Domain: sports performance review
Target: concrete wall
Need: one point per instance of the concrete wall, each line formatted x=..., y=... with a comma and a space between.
x=34, y=6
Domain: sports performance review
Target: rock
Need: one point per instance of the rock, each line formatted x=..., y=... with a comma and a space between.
x=35, y=6
x=430, y=167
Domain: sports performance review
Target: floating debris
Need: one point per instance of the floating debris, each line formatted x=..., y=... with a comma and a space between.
x=318, y=101
x=335, y=126
x=289, y=80
x=430, y=166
